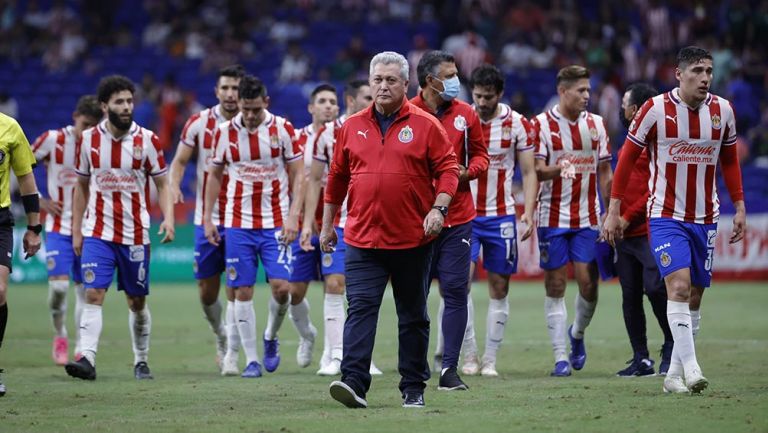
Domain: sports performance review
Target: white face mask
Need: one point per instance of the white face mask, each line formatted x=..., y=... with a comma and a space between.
x=451, y=88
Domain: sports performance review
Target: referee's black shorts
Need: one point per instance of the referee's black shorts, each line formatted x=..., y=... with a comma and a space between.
x=6, y=246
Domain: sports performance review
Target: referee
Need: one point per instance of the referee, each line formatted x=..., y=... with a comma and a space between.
x=16, y=154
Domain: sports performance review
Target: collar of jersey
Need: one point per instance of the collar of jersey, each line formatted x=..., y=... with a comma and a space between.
x=674, y=95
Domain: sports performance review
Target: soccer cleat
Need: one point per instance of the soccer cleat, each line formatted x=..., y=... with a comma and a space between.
x=674, y=385
x=450, y=381
x=489, y=368
x=437, y=365
x=229, y=365
x=666, y=358
x=578, y=355
x=2, y=386
x=637, y=368
x=413, y=399
x=60, y=350
x=252, y=370
x=81, y=369
x=696, y=382
x=347, y=396
x=562, y=369
x=141, y=371
x=374, y=371
x=271, y=355
x=221, y=351
x=471, y=365
x=333, y=368
x=304, y=352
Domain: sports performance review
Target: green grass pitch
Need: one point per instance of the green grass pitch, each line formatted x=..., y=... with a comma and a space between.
x=188, y=395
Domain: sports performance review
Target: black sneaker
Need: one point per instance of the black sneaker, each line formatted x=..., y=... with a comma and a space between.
x=666, y=358
x=81, y=369
x=347, y=396
x=2, y=386
x=141, y=371
x=450, y=381
x=638, y=367
x=413, y=399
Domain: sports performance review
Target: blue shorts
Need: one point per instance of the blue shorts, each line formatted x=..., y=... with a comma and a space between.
x=101, y=258
x=498, y=237
x=559, y=246
x=309, y=265
x=60, y=258
x=677, y=245
x=243, y=249
x=209, y=259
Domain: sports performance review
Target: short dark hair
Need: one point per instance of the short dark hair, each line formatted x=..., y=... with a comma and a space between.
x=89, y=106
x=487, y=75
x=251, y=87
x=430, y=62
x=233, y=71
x=640, y=92
x=112, y=84
x=325, y=87
x=690, y=55
x=353, y=86
x=570, y=74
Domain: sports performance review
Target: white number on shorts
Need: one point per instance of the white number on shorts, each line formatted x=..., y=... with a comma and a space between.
x=708, y=263
x=285, y=256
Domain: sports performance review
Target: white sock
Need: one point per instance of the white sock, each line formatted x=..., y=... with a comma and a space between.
x=213, y=316
x=140, y=323
x=245, y=318
x=679, y=318
x=333, y=311
x=584, y=312
x=79, y=304
x=675, y=366
x=498, y=312
x=90, y=331
x=557, y=315
x=57, y=302
x=275, y=318
x=439, y=320
x=233, y=336
x=300, y=317
x=695, y=322
x=469, y=346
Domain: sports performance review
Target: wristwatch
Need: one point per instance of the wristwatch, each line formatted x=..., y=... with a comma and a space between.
x=35, y=229
x=443, y=210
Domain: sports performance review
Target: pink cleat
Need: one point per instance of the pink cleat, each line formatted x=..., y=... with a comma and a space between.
x=60, y=350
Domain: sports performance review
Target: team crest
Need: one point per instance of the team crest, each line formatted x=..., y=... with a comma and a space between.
x=51, y=263
x=137, y=152
x=136, y=253
x=89, y=276
x=405, y=135
x=232, y=273
x=593, y=134
x=327, y=260
x=716, y=121
x=274, y=141
x=506, y=133
x=460, y=123
x=665, y=259
x=194, y=266
x=544, y=256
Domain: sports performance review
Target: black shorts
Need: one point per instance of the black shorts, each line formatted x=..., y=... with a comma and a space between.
x=6, y=246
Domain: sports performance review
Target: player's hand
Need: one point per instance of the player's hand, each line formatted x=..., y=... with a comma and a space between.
x=212, y=234
x=463, y=174
x=739, y=227
x=567, y=170
x=328, y=239
x=31, y=244
x=623, y=224
x=51, y=207
x=433, y=223
x=290, y=229
x=176, y=195
x=170, y=232
x=305, y=240
x=528, y=225
x=77, y=242
x=611, y=230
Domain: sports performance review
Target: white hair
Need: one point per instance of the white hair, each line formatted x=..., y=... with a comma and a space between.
x=389, y=57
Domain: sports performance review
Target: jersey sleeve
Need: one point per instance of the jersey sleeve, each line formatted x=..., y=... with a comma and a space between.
x=478, y=148
x=604, y=143
x=640, y=129
x=539, y=142
x=22, y=159
x=524, y=135
x=321, y=143
x=290, y=144
x=155, y=162
x=83, y=161
x=44, y=145
x=191, y=131
x=220, y=146
x=729, y=135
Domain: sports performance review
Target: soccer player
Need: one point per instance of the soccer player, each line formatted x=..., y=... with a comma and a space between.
x=506, y=133
x=439, y=87
x=115, y=160
x=16, y=155
x=635, y=265
x=687, y=131
x=357, y=97
x=197, y=135
x=263, y=159
x=572, y=152
x=57, y=148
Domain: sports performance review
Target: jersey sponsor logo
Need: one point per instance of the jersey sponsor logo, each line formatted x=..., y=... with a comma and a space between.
x=661, y=247
x=109, y=181
x=683, y=151
x=255, y=171
x=582, y=162
x=51, y=263
x=136, y=253
x=460, y=123
x=89, y=276
x=67, y=177
x=327, y=260
x=405, y=135
x=665, y=259
x=716, y=121
x=507, y=230
x=497, y=160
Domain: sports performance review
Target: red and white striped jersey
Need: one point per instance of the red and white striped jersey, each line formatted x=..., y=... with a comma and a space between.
x=306, y=138
x=326, y=138
x=506, y=134
x=570, y=203
x=198, y=134
x=59, y=147
x=119, y=171
x=257, y=194
x=684, y=146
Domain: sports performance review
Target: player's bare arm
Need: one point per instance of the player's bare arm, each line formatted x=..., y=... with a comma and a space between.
x=328, y=237
x=215, y=174
x=311, y=197
x=530, y=190
x=605, y=177
x=32, y=241
x=546, y=172
x=180, y=160
x=166, y=206
x=82, y=191
x=296, y=178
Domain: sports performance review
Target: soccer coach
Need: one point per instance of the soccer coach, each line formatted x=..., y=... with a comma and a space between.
x=394, y=164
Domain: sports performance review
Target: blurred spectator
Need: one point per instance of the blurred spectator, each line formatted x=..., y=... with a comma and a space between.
x=420, y=46
x=295, y=66
x=343, y=68
x=156, y=33
x=516, y=55
x=8, y=105
x=170, y=98
x=470, y=56
x=284, y=32
x=758, y=137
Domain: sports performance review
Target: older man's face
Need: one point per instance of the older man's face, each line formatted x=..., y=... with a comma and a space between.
x=387, y=86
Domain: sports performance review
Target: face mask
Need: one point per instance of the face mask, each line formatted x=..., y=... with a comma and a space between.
x=623, y=118
x=451, y=88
